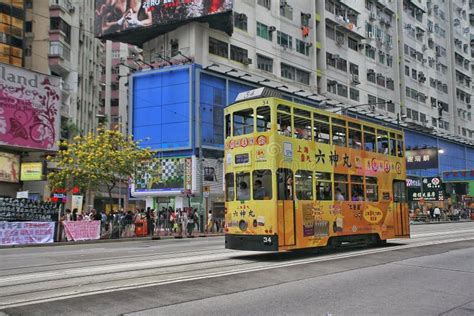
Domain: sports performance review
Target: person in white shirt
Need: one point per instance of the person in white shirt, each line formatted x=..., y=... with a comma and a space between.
x=437, y=213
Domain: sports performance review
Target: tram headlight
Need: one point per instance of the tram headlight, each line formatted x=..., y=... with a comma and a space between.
x=243, y=225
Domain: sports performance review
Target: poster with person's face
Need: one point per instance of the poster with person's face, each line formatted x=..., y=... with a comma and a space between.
x=116, y=16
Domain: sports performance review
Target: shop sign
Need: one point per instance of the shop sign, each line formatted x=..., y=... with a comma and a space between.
x=422, y=158
x=432, y=190
x=9, y=167
x=31, y=171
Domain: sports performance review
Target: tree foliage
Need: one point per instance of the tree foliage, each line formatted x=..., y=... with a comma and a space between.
x=98, y=159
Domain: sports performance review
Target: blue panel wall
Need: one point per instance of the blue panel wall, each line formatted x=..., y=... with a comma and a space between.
x=454, y=157
x=161, y=109
x=214, y=98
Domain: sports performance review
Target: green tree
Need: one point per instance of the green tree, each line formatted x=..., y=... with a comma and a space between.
x=97, y=159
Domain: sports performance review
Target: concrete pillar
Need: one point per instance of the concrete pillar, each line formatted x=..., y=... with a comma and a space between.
x=149, y=202
x=179, y=202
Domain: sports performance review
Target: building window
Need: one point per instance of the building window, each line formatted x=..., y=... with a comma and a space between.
x=342, y=90
x=354, y=94
x=302, y=47
x=238, y=54
x=218, y=47
x=330, y=33
x=264, y=63
x=286, y=10
x=371, y=75
x=265, y=3
x=295, y=74
x=341, y=64
x=58, y=24
x=284, y=40
x=352, y=44
x=264, y=31
x=28, y=26
x=240, y=21
x=330, y=60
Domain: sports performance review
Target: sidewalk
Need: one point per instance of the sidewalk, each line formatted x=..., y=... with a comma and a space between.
x=110, y=240
x=414, y=222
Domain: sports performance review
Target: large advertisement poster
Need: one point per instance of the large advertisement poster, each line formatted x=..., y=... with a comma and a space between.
x=422, y=158
x=29, y=112
x=117, y=16
x=167, y=174
x=9, y=167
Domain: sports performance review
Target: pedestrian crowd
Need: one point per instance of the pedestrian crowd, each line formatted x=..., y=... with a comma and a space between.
x=437, y=214
x=120, y=223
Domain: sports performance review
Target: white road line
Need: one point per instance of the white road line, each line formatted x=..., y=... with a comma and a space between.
x=63, y=296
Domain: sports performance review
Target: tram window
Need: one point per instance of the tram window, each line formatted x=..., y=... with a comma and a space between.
x=243, y=186
x=371, y=189
x=393, y=145
x=302, y=128
x=262, y=184
x=321, y=132
x=338, y=135
x=284, y=108
x=399, y=191
x=323, y=186
x=369, y=141
x=357, y=188
x=263, y=119
x=400, y=146
x=284, y=124
x=382, y=142
x=302, y=113
x=229, y=186
x=227, y=126
x=304, y=185
x=355, y=139
x=285, y=184
x=243, y=122
x=340, y=187
x=322, y=118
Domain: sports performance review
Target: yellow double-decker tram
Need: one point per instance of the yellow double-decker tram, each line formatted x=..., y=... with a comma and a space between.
x=300, y=177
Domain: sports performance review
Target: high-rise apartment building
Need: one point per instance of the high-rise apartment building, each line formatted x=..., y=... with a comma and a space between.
x=120, y=61
x=59, y=40
x=12, y=29
x=414, y=53
x=53, y=37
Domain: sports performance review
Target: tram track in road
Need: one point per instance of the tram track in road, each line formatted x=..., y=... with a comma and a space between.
x=132, y=257
x=27, y=291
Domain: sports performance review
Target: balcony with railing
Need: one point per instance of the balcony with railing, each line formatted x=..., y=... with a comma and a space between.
x=59, y=57
x=63, y=5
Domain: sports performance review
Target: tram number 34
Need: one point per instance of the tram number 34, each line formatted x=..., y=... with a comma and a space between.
x=267, y=241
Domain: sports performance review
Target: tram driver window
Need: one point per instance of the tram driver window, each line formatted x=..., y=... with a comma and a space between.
x=243, y=186
x=400, y=146
x=229, y=186
x=340, y=187
x=262, y=185
x=323, y=186
x=263, y=119
x=243, y=122
x=285, y=184
x=371, y=189
x=304, y=185
x=393, y=146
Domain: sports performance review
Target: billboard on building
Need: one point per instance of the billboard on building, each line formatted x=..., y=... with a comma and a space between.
x=168, y=176
x=9, y=167
x=135, y=21
x=422, y=158
x=30, y=108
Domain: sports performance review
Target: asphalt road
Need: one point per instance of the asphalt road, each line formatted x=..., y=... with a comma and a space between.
x=430, y=274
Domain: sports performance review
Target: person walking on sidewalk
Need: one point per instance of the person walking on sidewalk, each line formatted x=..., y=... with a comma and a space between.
x=437, y=213
x=190, y=225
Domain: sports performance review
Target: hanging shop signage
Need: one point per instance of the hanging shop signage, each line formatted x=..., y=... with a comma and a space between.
x=31, y=171
x=9, y=167
x=422, y=158
x=431, y=190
